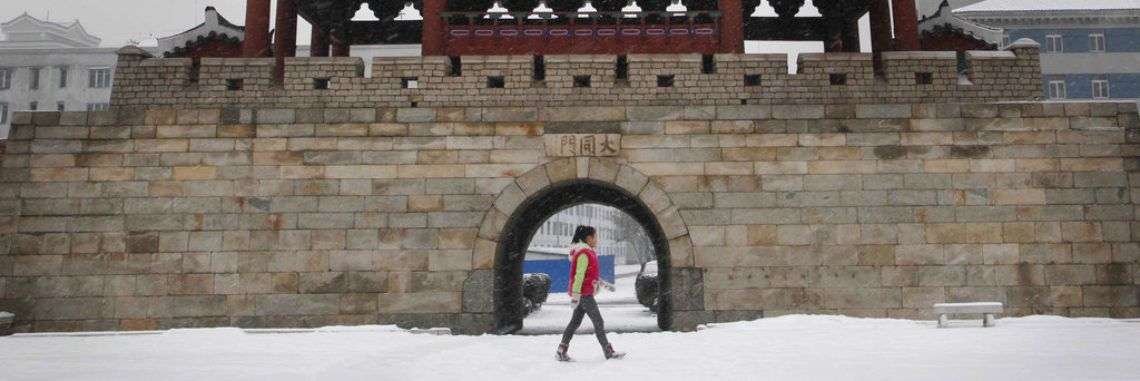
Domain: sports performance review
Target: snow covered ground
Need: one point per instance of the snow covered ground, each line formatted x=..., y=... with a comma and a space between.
x=789, y=347
x=618, y=318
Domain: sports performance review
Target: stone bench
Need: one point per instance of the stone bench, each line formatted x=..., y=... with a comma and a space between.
x=986, y=309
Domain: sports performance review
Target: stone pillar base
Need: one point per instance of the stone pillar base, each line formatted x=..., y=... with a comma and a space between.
x=462, y=324
x=6, y=319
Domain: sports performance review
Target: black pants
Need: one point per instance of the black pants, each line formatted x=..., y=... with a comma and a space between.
x=587, y=306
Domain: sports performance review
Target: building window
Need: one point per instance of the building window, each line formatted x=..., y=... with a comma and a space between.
x=63, y=77
x=34, y=79
x=99, y=78
x=1100, y=88
x=1054, y=44
x=98, y=106
x=33, y=106
x=1057, y=89
x=60, y=106
x=3, y=113
x=1096, y=42
x=5, y=78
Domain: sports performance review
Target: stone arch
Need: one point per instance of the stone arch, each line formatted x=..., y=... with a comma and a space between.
x=526, y=202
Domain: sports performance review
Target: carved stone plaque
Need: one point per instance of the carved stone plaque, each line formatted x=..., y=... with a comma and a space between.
x=582, y=144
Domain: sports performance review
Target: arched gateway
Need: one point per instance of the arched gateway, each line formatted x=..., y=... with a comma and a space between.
x=522, y=207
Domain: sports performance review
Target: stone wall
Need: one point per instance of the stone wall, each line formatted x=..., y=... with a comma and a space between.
x=832, y=78
x=136, y=219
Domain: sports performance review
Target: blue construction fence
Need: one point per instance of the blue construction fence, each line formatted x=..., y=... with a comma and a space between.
x=559, y=270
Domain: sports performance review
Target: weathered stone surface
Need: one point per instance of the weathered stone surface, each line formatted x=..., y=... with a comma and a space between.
x=478, y=292
x=687, y=285
x=420, y=302
x=286, y=214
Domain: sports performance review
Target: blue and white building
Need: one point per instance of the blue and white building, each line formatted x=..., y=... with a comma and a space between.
x=1090, y=49
x=550, y=247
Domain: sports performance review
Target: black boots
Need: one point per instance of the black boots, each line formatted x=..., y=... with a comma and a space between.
x=612, y=354
x=560, y=354
x=609, y=351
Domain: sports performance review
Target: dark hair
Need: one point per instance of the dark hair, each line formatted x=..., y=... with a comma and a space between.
x=581, y=233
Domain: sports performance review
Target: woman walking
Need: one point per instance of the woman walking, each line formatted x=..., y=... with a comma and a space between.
x=584, y=281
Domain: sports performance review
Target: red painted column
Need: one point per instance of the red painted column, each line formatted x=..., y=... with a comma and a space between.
x=851, y=36
x=880, y=33
x=285, y=40
x=906, y=24
x=319, y=43
x=880, y=26
x=340, y=39
x=434, y=27
x=731, y=26
x=256, y=42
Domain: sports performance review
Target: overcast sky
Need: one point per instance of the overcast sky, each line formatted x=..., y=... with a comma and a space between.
x=119, y=21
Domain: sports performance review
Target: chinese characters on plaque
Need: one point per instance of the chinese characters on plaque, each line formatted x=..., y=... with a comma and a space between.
x=582, y=144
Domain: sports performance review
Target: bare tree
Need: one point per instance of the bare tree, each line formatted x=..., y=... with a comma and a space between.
x=632, y=235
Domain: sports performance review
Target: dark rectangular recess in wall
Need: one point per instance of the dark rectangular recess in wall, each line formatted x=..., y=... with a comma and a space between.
x=496, y=82
x=923, y=78
x=235, y=84
x=410, y=83
x=195, y=70
x=963, y=63
x=581, y=81
x=456, y=66
x=708, y=64
x=837, y=79
x=539, y=68
x=665, y=80
x=752, y=80
x=320, y=83
x=621, y=69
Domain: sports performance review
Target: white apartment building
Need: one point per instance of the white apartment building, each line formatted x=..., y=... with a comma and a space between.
x=50, y=66
x=617, y=234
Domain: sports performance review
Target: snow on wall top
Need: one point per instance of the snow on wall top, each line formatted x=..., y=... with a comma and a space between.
x=1049, y=5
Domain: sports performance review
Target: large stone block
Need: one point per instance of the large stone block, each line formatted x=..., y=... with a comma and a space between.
x=420, y=302
x=415, y=115
x=297, y=304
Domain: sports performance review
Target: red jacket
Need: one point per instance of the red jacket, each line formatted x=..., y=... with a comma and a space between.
x=583, y=269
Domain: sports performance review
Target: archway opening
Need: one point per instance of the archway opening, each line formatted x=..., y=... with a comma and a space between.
x=529, y=217
x=626, y=261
